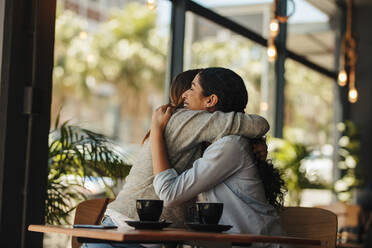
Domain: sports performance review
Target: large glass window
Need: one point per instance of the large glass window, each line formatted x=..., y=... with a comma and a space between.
x=309, y=97
x=310, y=34
x=110, y=61
x=308, y=125
x=254, y=14
x=109, y=74
x=208, y=44
x=308, y=106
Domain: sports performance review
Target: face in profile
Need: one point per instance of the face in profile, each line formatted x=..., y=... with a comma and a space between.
x=193, y=98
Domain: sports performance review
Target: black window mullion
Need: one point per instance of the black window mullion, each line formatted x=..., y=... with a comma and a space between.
x=280, y=43
x=176, y=43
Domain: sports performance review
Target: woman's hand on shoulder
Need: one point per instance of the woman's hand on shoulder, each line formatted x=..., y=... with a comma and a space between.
x=160, y=117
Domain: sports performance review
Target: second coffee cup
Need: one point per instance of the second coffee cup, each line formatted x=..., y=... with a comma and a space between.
x=209, y=212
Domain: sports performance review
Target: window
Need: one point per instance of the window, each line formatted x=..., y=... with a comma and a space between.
x=110, y=67
x=208, y=44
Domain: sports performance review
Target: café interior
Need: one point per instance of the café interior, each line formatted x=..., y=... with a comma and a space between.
x=292, y=46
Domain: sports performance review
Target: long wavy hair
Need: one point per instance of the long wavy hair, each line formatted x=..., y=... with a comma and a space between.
x=232, y=95
x=180, y=84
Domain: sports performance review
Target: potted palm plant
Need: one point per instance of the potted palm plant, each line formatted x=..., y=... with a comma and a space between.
x=76, y=154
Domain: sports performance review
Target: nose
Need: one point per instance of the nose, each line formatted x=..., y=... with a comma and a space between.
x=184, y=94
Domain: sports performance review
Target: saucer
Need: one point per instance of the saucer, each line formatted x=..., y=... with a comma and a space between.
x=154, y=225
x=208, y=227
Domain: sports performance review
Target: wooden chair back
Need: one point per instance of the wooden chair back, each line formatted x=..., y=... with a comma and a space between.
x=89, y=212
x=349, y=218
x=347, y=214
x=313, y=223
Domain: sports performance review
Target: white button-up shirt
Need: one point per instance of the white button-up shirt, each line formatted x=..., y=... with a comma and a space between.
x=226, y=173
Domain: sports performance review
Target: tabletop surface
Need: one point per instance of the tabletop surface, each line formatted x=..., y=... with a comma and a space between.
x=168, y=234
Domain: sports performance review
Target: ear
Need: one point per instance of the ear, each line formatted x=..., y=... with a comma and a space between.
x=212, y=101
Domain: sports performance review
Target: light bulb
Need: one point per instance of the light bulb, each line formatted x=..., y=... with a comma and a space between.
x=353, y=95
x=342, y=78
x=271, y=52
x=274, y=27
x=151, y=4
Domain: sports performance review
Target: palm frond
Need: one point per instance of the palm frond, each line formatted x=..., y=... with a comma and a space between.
x=78, y=153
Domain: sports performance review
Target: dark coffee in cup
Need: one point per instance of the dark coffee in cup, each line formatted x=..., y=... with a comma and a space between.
x=149, y=210
x=209, y=212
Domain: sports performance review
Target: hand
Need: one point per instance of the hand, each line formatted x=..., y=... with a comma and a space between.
x=260, y=149
x=160, y=117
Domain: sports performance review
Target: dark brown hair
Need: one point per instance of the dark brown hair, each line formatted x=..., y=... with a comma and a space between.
x=228, y=86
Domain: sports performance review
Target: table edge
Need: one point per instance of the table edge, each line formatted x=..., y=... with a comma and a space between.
x=173, y=235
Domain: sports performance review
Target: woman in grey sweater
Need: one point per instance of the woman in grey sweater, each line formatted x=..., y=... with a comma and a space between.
x=186, y=131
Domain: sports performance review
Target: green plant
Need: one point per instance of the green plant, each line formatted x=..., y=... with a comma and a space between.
x=348, y=160
x=75, y=154
x=288, y=156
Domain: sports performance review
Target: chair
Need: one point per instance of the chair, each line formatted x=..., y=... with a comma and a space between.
x=313, y=223
x=347, y=214
x=89, y=212
x=349, y=218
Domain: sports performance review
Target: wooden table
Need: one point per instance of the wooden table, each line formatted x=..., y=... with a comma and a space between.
x=170, y=235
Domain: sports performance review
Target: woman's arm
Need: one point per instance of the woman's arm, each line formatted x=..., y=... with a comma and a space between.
x=187, y=128
x=159, y=120
x=221, y=160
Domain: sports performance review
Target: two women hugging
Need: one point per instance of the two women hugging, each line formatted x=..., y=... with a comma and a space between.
x=201, y=146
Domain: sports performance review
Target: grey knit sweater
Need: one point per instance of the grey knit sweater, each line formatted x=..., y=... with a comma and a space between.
x=184, y=133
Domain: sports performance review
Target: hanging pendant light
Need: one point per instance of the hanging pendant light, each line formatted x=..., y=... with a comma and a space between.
x=271, y=52
x=353, y=95
x=151, y=4
x=274, y=27
x=342, y=78
x=348, y=58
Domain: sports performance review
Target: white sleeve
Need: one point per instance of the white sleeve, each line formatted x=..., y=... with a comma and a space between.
x=221, y=160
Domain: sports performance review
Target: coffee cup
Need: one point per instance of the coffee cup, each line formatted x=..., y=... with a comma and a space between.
x=149, y=209
x=209, y=212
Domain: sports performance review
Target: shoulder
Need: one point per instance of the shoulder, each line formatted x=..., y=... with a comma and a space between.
x=233, y=140
x=230, y=151
x=185, y=111
x=230, y=144
x=182, y=114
